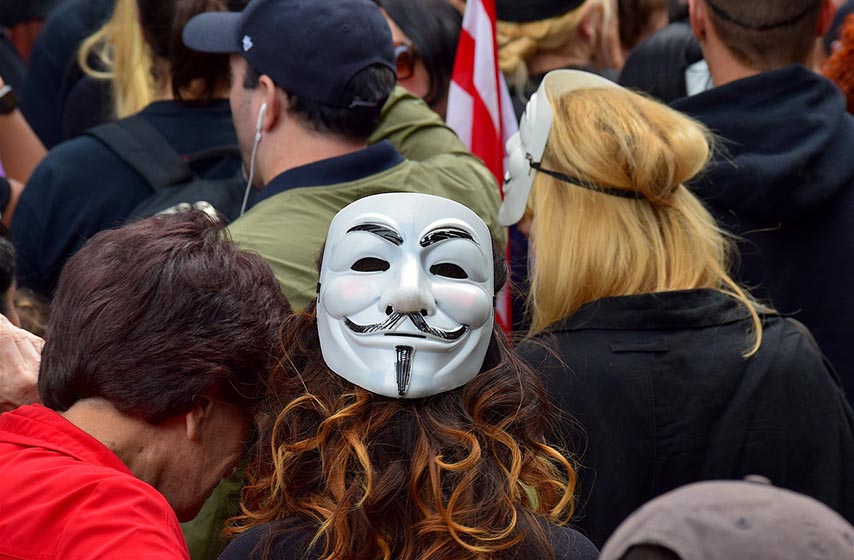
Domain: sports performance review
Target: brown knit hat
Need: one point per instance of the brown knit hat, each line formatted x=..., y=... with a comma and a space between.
x=736, y=520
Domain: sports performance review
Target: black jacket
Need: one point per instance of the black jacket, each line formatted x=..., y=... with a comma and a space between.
x=82, y=187
x=295, y=545
x=53, y=68
x=658, y=385
x=784, y=183
x=657, y=66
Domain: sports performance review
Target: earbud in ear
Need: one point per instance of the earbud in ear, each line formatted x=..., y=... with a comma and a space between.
x=260, y=123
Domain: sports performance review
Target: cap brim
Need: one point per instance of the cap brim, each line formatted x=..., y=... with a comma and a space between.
x=213, y=32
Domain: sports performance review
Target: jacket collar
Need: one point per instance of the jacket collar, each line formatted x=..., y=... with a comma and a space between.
x=343, y=169
x=660, y=310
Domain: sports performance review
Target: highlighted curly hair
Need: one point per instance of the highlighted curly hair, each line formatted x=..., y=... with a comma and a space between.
x=465, y=474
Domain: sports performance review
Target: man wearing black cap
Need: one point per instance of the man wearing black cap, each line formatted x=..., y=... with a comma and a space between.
x=311, y=84
x=784, y=184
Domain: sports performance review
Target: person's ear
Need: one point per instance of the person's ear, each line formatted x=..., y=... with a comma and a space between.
x=271, y=97
x=590, y=22
x=825, y=20
x=197, y=418
x=698, y=18
x=602, y=35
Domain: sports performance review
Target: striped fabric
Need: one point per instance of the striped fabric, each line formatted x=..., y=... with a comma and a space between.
x=479, y=106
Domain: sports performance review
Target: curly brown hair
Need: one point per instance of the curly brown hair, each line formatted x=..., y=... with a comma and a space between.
x=461, y=475
x=840, y=66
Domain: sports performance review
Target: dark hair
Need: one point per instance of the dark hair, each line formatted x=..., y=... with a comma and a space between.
x=7, y=271
x=377, y=477
x=766, y=34
x=370, y=84
x=152, y=314
x=634, y=18
x=162, y=23
x=434, y=27
x=678, y=10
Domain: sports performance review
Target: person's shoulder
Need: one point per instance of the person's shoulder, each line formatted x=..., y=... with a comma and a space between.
x=80, y=156
x=282, y=542
x=539, y=349
x=108, y=513
x=793, y=353
x=569, y=543
x=108, y=488
x=305, y=211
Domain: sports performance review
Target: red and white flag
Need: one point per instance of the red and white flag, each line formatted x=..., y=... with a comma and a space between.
x=479, y=107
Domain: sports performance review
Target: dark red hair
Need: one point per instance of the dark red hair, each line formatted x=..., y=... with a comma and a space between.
x=152, y=314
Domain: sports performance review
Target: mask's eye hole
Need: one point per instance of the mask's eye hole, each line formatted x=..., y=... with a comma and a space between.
x=449, y=270
x=370, y=264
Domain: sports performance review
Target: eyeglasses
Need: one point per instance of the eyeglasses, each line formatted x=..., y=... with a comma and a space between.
x=405, y=55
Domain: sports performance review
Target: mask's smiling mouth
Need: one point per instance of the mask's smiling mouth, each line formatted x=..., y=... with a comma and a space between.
x=406, y=335
x=385, y=328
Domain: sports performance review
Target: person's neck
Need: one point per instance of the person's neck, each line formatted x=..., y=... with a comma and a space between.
x=129, y=438
x=296, y=148
x=724, y=67
x=194, y=92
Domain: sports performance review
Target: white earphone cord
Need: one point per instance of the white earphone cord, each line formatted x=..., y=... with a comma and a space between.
x=251, y=174
x=258, y=128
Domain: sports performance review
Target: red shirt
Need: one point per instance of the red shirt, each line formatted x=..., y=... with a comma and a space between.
x=63, y=494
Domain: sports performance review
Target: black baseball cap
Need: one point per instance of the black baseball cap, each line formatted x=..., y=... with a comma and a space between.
x=523, y=11
x=309, y=48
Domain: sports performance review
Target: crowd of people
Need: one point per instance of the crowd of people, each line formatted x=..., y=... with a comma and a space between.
x=249, y=279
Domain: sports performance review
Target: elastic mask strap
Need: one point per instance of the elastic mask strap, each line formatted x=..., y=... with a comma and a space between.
x=622, y=193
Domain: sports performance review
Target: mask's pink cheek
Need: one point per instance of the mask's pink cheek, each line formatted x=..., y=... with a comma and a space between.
x=347, y=295
x=468, y=304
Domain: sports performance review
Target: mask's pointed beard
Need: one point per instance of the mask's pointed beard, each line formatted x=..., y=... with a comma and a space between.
x=404, y=368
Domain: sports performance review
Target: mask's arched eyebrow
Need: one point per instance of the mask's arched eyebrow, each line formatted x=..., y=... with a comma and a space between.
x=385, y=232
x=445, y=233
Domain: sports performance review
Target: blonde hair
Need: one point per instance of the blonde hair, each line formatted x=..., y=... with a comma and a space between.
x=589, y=245
x=519, y=42
x=120, y=49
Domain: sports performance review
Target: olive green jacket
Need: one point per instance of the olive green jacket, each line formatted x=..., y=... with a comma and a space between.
x=289, y=228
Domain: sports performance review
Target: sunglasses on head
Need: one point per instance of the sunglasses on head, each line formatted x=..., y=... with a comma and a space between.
x=405, y=55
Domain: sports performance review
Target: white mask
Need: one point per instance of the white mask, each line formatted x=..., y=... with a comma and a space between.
x=526, y=147
x=405, y=307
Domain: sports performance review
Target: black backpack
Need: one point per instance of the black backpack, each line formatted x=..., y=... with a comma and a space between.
x=176, y=186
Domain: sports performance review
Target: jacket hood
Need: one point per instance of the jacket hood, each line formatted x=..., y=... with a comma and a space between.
x=786, y=144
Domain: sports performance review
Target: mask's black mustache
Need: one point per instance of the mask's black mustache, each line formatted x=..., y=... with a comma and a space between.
x=417, y=319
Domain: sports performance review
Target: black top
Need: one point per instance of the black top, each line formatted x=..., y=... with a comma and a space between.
x=658, y=383
x=294, y=545
x=13, y=12
x=88, y=104
x=657, y=66
x=83, y=187
x=53, y=68
x=784, y=183
x=12, y=67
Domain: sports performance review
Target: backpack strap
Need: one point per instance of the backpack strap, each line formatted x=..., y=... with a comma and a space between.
x=145, y=150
